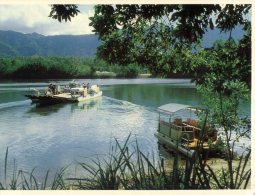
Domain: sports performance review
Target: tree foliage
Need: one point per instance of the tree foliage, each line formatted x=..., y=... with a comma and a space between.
x=160, y=37
x=45, y=67
x=63, y=67
x=151, y=34
x=232, y=15
x=220, y=65
x=63, y=12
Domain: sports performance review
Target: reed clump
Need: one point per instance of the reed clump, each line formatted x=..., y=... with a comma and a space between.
x=133, y=170
x=18, y=179
x=128, y=168
x=123, y=169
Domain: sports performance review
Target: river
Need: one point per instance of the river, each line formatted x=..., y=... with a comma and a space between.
x=59, y=135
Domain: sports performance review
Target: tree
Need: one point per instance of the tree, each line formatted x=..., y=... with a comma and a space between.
x=63, y=12
x=223, y=88
x=153, y=34
x=158, y=36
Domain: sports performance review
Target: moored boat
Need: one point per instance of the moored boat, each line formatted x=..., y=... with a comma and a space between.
x=180, y=129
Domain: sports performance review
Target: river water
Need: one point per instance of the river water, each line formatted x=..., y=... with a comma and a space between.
x=59, y=135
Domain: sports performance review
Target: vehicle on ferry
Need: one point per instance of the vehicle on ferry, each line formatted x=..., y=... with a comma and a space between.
x=74, y=92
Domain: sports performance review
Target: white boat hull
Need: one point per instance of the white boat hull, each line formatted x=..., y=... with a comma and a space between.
x=166, y=140
x=76, y=98
x=88, y=97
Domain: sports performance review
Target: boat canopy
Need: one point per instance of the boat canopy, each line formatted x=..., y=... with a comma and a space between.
x=173, y=107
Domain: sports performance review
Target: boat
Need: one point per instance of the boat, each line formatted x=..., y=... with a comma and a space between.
x=180, y=128
x=55, y=94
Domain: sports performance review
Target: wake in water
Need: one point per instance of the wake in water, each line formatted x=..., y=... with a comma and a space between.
x=13, y=104
x=128, y=106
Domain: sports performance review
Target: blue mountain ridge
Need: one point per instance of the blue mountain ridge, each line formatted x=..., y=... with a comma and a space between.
x=14, y=44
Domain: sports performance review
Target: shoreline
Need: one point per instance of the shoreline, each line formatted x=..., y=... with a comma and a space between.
x=140, y=76
x=183, y=82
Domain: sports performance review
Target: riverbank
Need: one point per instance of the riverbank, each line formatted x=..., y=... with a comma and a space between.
x=107, y=74
x=38, y=67
x=100, y=81
x=216, y=164
x=64, y=68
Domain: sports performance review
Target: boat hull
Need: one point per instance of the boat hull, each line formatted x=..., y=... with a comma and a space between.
x=169, y=142
x=70, y=98
x=45, y=100
x=61, y=98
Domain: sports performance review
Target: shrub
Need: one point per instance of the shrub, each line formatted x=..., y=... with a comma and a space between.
x=130, y=71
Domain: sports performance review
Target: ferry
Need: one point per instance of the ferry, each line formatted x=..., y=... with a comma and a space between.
x=75, y=92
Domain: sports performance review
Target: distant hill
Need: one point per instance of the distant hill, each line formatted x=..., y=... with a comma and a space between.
x=13, y=44
x=212, y=35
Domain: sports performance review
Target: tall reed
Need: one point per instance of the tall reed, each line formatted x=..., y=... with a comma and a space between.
x=23, y=180
x=124, y=169
x=127, y=167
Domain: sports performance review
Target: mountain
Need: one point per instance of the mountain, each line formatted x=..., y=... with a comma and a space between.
x=212, y=35
x=14, y=44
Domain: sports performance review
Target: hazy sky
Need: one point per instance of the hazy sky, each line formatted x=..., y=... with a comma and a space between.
x=34, y=18
x=29, y=18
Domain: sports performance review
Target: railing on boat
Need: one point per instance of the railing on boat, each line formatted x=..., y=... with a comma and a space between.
x=184, y=134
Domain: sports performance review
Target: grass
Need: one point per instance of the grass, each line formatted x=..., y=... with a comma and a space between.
x=127, y=167
x=23, y=180
x=123, y=169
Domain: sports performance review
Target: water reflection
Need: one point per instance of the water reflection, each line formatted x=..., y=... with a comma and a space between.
x=45, y=110
x=87, y=105
x=169, y=155
x=153, y=95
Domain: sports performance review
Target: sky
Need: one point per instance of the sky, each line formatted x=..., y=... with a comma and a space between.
x=29, y=18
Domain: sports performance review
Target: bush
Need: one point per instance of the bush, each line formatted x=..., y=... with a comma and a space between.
x=130, y=71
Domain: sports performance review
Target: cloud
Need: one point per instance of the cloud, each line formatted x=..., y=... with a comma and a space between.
x=34, y=18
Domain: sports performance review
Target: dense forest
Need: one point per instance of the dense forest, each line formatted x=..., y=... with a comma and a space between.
x=64, y=67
